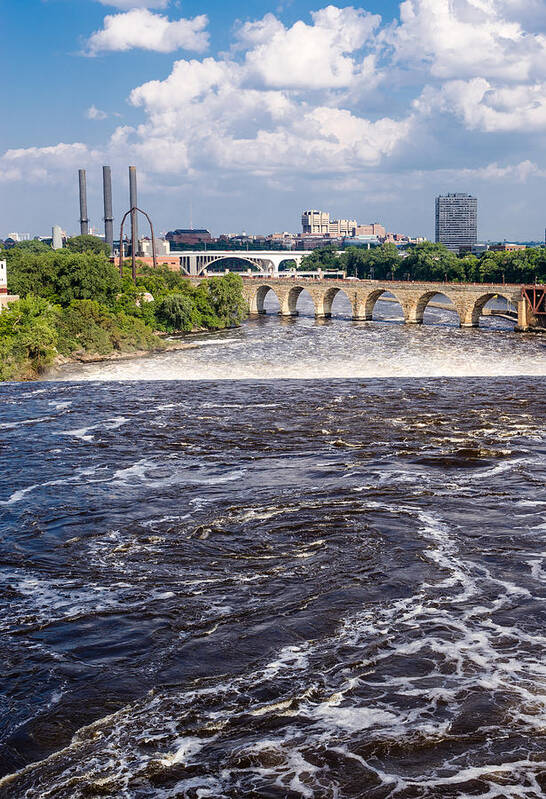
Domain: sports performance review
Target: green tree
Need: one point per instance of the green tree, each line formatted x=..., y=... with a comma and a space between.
x=428, y=261
x=379, y=262
x=357, y=262
x=177, y=313
x=87, y=243
x=62, y=276
x=34, y=245
x=321, y=258
x=386, y=260
x=471, y=267
x=29, y=337
x=85, y=326
x=226, y=298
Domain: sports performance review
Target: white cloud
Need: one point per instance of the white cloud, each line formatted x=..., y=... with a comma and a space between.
x=227, y=124
x=466, y=38
x=37, y=164
x=140, y=28
x=269, y=106
x=493, y=172
x=483, y=106
x=316, y=56
x=95, y=113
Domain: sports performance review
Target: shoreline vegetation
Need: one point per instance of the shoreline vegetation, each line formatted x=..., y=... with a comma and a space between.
x=74, y=306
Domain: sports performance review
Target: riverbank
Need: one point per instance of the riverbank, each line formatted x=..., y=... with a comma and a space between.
x=39, y=333
x=63, y=362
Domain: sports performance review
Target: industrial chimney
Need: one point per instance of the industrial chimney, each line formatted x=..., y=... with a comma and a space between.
x=108, y=212
x=84, y=220
x=133, y=202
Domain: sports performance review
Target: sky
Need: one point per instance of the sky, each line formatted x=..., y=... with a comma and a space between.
x=239, y=116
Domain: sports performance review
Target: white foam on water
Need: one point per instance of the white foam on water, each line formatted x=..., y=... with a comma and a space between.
x=152, y=474
x=186, y=749
x=353, y=719
x=79, y=477
x=304, y=350
x=107, y=424
x=22, y=422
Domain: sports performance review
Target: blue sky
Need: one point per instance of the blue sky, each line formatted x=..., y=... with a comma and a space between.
x=249, y=114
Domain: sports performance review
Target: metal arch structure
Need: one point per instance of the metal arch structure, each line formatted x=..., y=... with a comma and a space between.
x=134, y=211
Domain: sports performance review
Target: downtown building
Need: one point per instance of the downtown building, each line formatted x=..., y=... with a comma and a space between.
x=457, y=221
x=319, y=223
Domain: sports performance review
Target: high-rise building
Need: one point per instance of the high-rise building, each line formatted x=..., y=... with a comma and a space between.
x=315, y=223
x=457, y=221
x=342, y=227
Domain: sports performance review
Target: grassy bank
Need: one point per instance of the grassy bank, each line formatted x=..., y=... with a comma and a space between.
x=76, y=306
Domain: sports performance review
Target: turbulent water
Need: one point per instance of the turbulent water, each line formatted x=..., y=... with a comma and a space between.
x=292, y=560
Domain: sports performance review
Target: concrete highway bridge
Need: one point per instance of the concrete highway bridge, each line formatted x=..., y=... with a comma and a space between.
x=268, y=262
x=468, y=299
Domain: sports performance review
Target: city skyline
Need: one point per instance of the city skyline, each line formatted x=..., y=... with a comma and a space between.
x=369, y=110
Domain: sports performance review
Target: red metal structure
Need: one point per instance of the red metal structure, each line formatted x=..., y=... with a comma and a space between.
x=536, y=297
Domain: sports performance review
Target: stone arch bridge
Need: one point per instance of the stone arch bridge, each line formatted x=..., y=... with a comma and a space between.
x=468, y=299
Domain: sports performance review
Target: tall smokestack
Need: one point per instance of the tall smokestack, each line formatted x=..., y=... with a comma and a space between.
x=133, y=201
x=84, y=220
x=108, y=212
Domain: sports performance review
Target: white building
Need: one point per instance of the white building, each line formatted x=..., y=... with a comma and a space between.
x=162, y=247
x=318, y=223
x=57, y=237
x=315, y=223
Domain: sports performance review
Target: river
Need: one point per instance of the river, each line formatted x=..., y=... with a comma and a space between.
x=297, y=559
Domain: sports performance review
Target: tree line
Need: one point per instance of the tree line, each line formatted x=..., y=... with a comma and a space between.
x=432, y=262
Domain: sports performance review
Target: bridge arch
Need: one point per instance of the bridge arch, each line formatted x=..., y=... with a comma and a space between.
x=326, y=301
x=257, y=299
x=289, y=306
x=367, y=305
x=234, y=257
x=289, y=257
x=476, y=306
x=418, y=311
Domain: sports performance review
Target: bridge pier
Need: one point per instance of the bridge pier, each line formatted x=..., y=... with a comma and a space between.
x=468, y=300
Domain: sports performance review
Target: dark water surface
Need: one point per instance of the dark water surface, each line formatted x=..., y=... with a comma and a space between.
x=323, y=588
